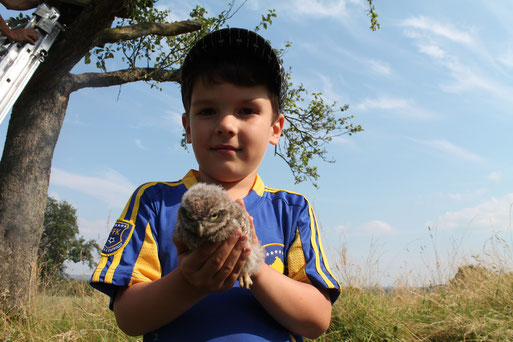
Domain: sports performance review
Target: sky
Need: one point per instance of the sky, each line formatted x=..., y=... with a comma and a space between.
x=426, y=187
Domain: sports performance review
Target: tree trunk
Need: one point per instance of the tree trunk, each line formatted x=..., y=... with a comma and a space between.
x=34, y=128
x=24, y=176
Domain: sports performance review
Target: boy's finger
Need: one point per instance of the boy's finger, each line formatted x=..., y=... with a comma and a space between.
x=254, y=237
x=206, y=250
x=231, y=262
x=250, y=218
x=193, y=261
x=217, y=260
x=241, y=262
x=240, y=201
x=180, y=246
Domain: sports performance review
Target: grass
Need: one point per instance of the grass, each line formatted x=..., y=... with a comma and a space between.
x=66, y=311
x=477, y=305
x=474, y=304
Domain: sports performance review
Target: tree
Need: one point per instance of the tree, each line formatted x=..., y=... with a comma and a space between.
x=153, y=50
x=60, y=241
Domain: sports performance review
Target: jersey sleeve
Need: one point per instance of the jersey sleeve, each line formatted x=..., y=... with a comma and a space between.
x=306, y=260
x=130, y=254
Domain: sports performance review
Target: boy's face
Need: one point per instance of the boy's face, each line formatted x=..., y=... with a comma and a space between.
x=229, y=127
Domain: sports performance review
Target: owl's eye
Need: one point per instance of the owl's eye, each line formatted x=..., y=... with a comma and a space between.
x=188, y=214
x=214, y=216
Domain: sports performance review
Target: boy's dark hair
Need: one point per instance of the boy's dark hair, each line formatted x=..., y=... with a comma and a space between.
x=237, y=56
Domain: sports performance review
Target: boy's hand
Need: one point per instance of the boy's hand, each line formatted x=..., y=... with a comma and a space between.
x=253, y=232
x=213, y=267
x=24, y=35
x=250, y=218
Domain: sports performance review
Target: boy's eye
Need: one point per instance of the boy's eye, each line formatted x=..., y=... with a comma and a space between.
x=247, y=111
x=206, y=111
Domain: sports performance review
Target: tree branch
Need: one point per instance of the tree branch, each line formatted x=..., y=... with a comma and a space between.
x=117, y=34
x=107, y=79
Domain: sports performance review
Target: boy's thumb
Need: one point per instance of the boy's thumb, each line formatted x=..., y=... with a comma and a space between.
x=180, y=246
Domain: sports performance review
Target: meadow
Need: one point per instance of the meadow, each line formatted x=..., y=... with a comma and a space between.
x=475, y=303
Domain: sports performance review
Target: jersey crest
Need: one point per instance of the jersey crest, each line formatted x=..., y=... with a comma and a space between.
x=274, y=256
x=118, y=237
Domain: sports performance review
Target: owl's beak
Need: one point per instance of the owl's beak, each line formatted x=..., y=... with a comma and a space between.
x=201, y=230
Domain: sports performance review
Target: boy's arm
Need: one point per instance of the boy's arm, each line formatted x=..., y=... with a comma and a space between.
x=147, y=306
x=299, y=307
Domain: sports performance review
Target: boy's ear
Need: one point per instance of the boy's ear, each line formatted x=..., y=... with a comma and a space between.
x=276, y=129
x=187, y=127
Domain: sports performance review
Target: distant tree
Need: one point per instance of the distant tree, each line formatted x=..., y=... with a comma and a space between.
x=60, y=241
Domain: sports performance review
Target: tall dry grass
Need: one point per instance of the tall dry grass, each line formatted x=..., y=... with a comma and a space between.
x=64, y=310
x=475, y=303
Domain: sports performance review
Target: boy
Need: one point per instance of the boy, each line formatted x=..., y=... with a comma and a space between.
x=233, y=88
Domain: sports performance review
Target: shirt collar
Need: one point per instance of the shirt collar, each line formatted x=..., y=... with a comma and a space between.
x=257, y=191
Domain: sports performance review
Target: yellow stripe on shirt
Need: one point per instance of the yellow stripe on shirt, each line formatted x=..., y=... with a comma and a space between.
x=314, y=229
x=147, y=266
x=99, y=269
x=313, y=242
x=324, y=259
x=116, y=258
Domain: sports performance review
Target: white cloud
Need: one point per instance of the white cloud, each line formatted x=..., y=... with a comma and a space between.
x=447, y=146
x=495, y=176
x=379, y=66
x=384, y=103
x=253, y=5
x=342, y=139
x=432, y=50
x=328, y=90
x=466, y=79
x=343, y=59
x=317, y=8
x=111, y=187
x=400, y=106
x=464, y=66
x=377, y=227
x=179, y=9
x=442, y=30
x=494, y=214
x=451, y=149
x=96, y=229
x=169, y=120
x=139, y=144
x=467, y=195
x=376, y=65
x=507, y=58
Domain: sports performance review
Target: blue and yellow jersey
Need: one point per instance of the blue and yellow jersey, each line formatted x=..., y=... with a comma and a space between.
x=140, y=248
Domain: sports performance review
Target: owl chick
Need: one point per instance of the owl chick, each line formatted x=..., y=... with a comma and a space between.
x=207, y=214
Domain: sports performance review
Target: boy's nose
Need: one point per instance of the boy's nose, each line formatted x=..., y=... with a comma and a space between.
x=227, y=124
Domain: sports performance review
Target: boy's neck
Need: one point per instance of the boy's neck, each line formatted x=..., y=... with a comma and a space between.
x=235, y=190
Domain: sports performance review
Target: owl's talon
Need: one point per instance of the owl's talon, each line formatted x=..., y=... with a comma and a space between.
x=245, y=280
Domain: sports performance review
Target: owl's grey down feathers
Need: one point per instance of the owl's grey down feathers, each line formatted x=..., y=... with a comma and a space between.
x=207, y=214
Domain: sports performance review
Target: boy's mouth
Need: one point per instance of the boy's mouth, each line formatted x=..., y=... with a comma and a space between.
x=225, y=149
